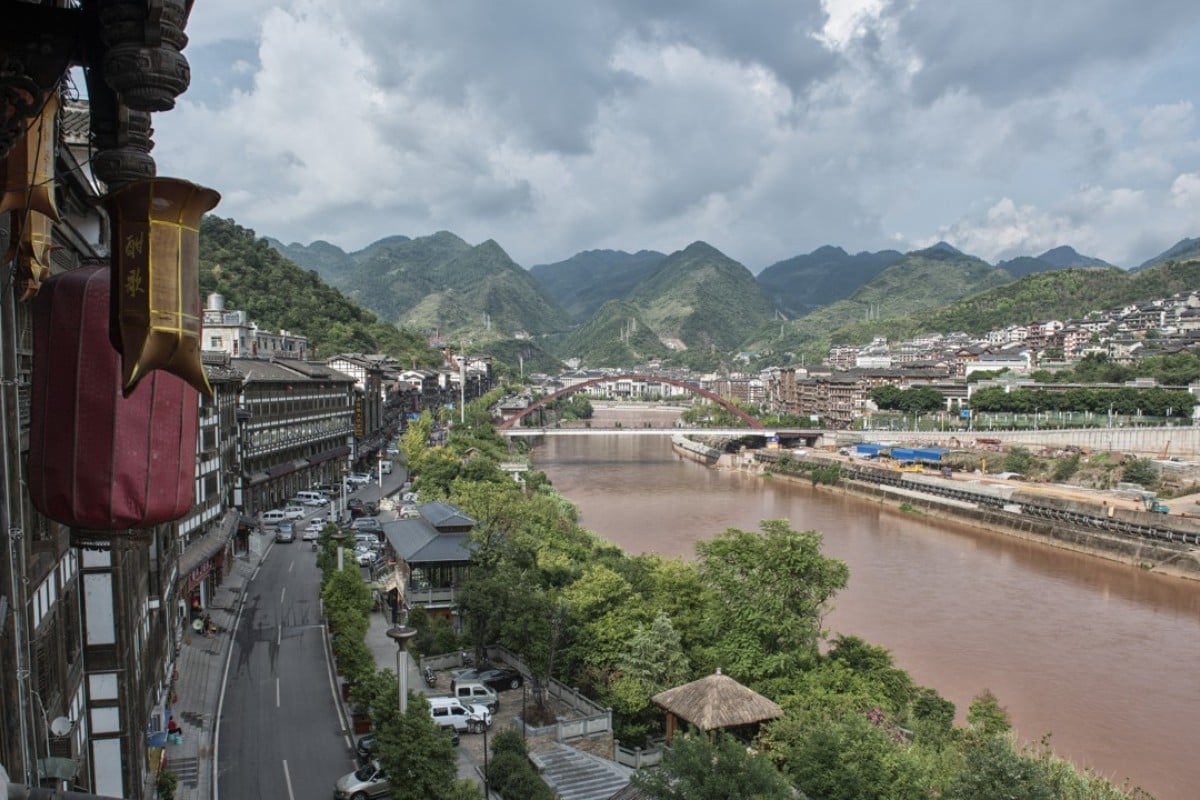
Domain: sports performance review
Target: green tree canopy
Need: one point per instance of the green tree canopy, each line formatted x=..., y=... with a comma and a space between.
x=772, y=590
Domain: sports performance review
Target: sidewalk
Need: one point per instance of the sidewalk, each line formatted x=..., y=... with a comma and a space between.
x=201, y=666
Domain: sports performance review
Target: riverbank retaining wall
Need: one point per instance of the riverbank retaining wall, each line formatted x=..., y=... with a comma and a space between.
x=694, y=450
x=1169, y=544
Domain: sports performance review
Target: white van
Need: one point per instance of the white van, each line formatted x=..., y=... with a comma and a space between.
x=385, y=467
x=312, y=498
x=448, y=712
x=471, y=692
x=273, y=517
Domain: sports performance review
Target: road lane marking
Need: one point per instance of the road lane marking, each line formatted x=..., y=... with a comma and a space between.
x=282, y=593
x=287, y=776
x=277, y=692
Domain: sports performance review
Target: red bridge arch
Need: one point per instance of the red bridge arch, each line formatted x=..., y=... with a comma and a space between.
x=691, y=387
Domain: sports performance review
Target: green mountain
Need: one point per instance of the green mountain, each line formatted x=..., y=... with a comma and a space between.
x=801, y=284
x=1058, y=258
x=922, y=280
x=615, y=336
x=1066, y=257
x=703, y=298
x=441, y=285
x=588, y=280
x=1059, y=294
x=327, y=260
x=1183, y=250
x=277, y=294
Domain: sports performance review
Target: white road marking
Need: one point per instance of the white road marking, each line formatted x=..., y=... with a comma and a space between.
x=287, y=777
x=282, y=593
x=277, y=694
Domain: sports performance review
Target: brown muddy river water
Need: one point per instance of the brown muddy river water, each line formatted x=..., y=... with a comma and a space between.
x=1104, y=657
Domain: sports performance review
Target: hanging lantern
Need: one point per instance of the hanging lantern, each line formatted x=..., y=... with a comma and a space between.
x=142, y=62
x=101, y=459
x=28, y=171
x=156, y=277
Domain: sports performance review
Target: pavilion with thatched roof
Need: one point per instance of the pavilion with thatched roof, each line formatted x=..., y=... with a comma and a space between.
x=716, y=702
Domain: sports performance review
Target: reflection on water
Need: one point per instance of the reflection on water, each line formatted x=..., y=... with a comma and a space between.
x=1104, y=657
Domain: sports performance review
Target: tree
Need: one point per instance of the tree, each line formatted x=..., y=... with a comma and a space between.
x=986, y=716
x=994, y=769
x=416, y=754
x=415, y=440
x=701, y=768
x=852, y=757
x=772, y=592
x=1142, y=472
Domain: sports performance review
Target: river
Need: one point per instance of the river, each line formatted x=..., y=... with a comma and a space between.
x=1104, y=657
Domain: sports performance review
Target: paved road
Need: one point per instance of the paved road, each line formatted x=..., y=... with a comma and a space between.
x=280, y=732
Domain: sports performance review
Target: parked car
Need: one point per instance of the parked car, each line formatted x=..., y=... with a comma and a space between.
x=366, y=557
x=494, y=678
x=365, y=748
x=367, y=524
x=359, y=478
x=368, y=781
x=356, y=506
x=448, y=712
x=286, y=532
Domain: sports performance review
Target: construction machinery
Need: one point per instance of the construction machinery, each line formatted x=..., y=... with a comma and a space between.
x=1151, y=503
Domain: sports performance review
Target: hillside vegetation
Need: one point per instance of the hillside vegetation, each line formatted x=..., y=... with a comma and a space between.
x=279, y=295
x=440, y=284
x=588, y=280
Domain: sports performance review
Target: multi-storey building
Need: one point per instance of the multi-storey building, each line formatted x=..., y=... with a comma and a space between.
x=370, y=372
x=296, y=428
x=234, y=333
x=214, y=527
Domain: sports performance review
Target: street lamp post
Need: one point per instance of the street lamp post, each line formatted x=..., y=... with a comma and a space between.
x=400, y=634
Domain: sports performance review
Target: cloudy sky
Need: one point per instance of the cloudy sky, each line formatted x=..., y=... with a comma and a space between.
x=766, y=129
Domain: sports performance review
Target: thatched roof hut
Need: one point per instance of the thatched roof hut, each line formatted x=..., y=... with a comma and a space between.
x=717, y=701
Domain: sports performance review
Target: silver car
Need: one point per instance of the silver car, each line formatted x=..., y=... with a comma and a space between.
x=366, y=781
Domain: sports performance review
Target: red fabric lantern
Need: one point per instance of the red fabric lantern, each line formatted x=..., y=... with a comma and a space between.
x=97, y=459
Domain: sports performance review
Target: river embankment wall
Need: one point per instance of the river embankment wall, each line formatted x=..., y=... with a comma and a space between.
x=1168, y=544
x=696, y=451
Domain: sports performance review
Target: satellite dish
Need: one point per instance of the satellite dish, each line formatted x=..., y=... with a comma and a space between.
x=61, y=726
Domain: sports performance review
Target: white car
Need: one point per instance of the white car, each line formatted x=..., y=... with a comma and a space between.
x=294, y=512
x=365, y=557
x=359, y=478
x=313, y=530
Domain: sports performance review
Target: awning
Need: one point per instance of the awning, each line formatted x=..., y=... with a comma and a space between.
x=247, y=522
x=281, y=470
x=258, y=478
x=205, y=547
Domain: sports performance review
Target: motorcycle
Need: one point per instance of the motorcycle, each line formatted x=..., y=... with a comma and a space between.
x=430, y=678
x=314, y=546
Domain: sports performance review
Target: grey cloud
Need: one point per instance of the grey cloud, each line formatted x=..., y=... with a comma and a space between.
x=1002, y=50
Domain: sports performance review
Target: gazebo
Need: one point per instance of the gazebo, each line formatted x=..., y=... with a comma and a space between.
x=715, y=702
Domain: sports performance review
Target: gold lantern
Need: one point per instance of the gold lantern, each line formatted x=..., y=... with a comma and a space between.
x=34, y=246
x=28, y=179
x=156, y=280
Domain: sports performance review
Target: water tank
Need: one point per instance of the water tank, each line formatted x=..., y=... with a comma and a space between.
x=216, y=302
